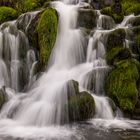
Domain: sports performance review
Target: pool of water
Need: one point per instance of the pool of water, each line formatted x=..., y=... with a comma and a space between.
x=91, y=130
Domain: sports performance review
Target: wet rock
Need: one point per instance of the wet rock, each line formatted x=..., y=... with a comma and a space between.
x=81, y=105
x=118, y=54
x=3, y=96
x=116, y=39
x=47, y=32
x=86, y=18
x=99, y=4
x=121, y=85
x=28, y=23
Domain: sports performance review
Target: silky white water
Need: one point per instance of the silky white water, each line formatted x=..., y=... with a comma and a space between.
x=41, y=111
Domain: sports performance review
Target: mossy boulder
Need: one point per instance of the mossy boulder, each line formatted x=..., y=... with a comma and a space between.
x=81, y=105
x=121, y=84
x=115, y=39
x=86, y=18
x=3, y=96
x=47, y=32
x=136, y=21
x=108, y=11
x=115, y=11
x=117, y=54
x=7, y=13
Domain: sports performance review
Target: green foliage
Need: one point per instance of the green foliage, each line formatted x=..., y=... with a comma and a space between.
x=131, y=6
x=121, y=84
x=29, y=5
x=107, y=11
x=7, y=13
x=47, y=32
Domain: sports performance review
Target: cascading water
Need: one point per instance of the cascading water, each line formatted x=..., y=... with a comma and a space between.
x=43, y=106
x=15, y=66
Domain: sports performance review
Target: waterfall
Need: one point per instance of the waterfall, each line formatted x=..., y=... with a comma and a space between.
x=44, y=105
x=15, y=57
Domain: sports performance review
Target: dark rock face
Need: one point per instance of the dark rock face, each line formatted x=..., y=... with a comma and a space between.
x=116, y=39
x=99, y=4
x=117, y=7
x=81, y=105
x=86, y=18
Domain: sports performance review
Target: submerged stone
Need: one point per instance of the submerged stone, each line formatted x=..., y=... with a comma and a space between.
x=115, y=39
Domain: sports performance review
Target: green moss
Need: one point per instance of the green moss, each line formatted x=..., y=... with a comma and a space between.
x=47, y=32
x=116, y=39
x=121, y=84
x=29, y=5
x=108, y=11
x=136, y=21
x=7, y=13
x=131, y=6
x=117, y=18
x=117, y=54
x=81, y=107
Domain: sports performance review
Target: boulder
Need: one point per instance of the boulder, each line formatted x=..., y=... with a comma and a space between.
x=115, y=39
x=47, y=32
x=81, y=105
x=121, y=84
x=7, y=13
x=86, y=18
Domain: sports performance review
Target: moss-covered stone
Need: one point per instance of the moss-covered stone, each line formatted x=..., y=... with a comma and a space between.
x=136, y=21
x=81, y=107
x=117, y=54
x=121, y=84
x=117, y=16
x=47, y=32
x=115, y=39
x=86, y=18
x=7, y=13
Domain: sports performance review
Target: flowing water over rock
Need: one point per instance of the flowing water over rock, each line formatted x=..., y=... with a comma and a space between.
x=39, y=113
